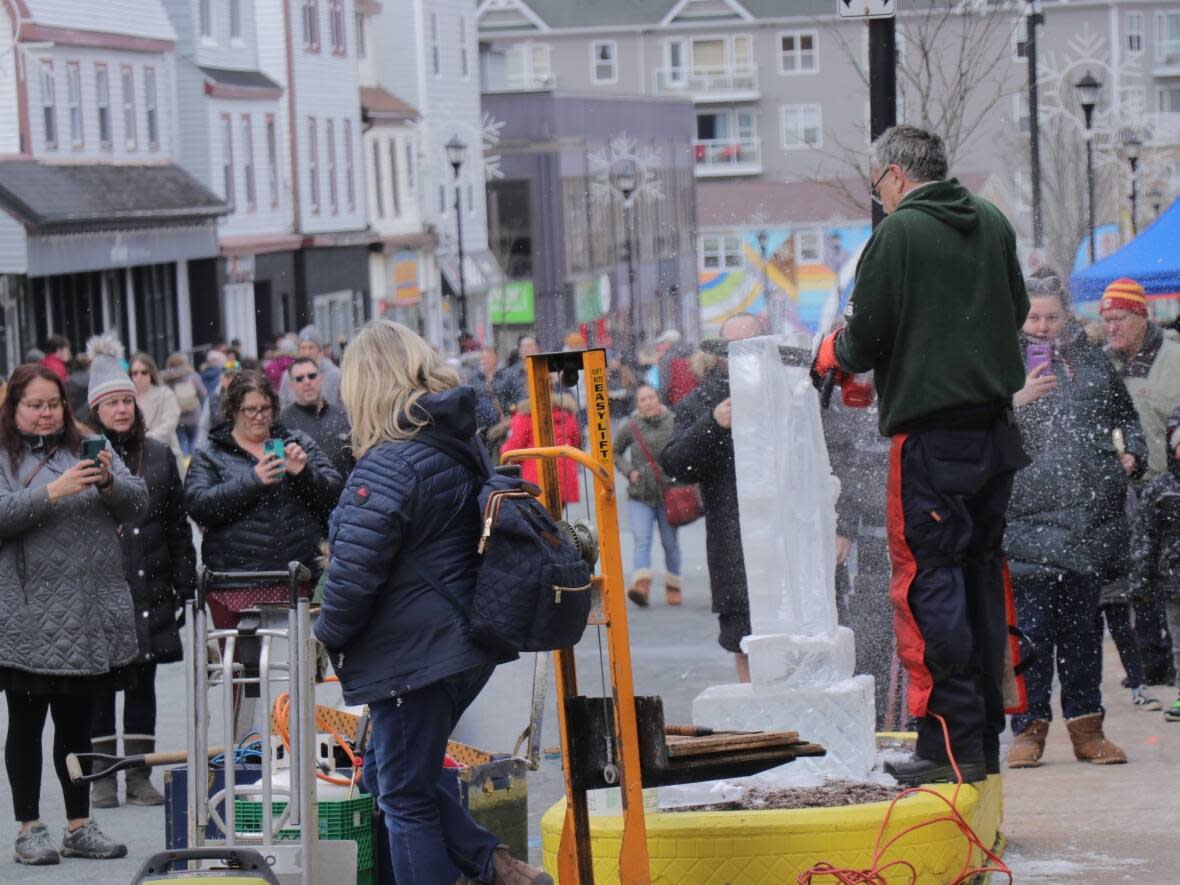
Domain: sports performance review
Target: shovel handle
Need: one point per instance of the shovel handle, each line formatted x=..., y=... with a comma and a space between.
x=825, y=392
x=74, y=763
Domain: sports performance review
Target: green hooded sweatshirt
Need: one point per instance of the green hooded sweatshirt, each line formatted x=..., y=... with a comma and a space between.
x=938, y=302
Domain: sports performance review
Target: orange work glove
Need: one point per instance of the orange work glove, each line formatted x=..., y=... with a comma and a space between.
x=826, y=361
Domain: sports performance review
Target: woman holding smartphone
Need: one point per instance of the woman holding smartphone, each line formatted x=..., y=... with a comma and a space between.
x=260, y=492
x=66, y=616
x=160, y=566
x=1067, y=528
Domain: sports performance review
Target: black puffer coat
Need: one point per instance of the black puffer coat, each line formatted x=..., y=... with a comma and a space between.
x=252, y=527
x=701, y=451
x=409, y=516
x=1155, y=546
x=1067, y=511
x=158, y=555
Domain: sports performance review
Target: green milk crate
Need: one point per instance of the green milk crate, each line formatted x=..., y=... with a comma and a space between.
x=340, y=819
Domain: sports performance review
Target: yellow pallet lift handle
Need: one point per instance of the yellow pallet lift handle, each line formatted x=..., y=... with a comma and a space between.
x=574, y=859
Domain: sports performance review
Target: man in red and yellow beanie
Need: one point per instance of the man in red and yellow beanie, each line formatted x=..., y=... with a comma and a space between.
x=1149, y=363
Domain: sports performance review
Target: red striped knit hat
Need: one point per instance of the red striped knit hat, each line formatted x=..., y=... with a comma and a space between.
x=1124, y=294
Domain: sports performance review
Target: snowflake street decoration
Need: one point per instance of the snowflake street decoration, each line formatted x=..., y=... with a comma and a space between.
x=487, y=135
x=623, y=148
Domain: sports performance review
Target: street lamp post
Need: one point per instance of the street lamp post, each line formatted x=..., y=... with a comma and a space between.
x=1132, y=145
x=625, y=178
x=1088, y=89
x=1034, y=18
x=456, y=151
x=763, y=242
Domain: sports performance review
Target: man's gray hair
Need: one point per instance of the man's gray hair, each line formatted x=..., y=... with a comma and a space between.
x=919, y=153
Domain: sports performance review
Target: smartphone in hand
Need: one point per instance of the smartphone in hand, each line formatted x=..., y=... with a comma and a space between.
x=1038, y=353
x=91, y=447
x=274, y=447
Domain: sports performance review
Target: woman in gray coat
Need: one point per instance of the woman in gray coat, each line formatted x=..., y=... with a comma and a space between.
x=66, y=618
x=643, y=438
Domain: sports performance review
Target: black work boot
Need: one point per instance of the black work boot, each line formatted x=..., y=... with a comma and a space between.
x=918, y=770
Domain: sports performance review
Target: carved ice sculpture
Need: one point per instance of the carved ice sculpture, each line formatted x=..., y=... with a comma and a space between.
x=801, y=661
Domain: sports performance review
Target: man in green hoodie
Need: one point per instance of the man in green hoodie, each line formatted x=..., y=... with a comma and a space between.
x=938, y=301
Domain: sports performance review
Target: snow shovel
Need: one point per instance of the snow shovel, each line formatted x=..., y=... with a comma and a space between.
x=74, y=762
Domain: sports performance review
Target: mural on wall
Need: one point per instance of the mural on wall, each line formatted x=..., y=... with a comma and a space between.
x=811, y=286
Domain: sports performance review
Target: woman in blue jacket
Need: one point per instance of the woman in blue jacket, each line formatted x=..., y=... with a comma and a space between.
x=409, y=520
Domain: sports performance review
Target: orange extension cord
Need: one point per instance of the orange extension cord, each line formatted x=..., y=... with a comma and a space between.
x=875, y=875
x=282, y=708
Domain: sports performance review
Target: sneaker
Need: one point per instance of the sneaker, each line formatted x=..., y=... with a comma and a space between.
x=1172, y=714
x=35, y=847
x=89, y=841
x=1144, y=701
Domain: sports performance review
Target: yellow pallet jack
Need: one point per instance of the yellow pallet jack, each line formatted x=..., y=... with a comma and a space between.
x=622, y=740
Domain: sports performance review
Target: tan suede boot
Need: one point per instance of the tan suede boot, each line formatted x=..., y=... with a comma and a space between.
x=672, y=593
x=1090, y=744
x=1029, y=745
x=640, y=592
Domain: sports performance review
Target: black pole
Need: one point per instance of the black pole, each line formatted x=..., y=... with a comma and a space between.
x=1134, y=196
x=462, y=312
x=1090, y=185
x=1035, y=17
x=882, y=85
x=630, y=271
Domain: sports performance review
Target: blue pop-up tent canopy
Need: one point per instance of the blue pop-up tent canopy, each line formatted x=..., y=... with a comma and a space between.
x=1152, y=259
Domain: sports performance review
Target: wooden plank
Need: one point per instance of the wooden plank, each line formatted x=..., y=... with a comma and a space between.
x=778, y=755
x=727, y=743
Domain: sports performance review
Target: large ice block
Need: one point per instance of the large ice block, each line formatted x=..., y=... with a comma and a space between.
x=786, y=489
x=796, y=661
x=838, y=716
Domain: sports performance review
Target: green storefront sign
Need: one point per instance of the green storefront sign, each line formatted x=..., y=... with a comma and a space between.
x=512, y=303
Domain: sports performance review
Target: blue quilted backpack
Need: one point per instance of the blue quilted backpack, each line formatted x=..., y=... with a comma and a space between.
x=532, y=592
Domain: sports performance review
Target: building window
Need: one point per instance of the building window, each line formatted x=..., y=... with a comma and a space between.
x=798, y=52
x=1133, y=100
x=49, y=104
x=248, y=162
x=411, y=170
x=378, y=181
x=434, y=46
x=227, y=160
x=604, y=61
x=362, y=50
x=1167, y=38
x=394, y=198
x=719, y=252
x=272, y=160
x=150, y=107
x=1134, y=32
x=349, y=174
x=1019, y=46
x=311, y=25
x=442, y=199
x=205, y=14
x=801, y=126
x=130, y=135
x=527, y=66
x=74, y=98
x=470, y=199
x=333, y=188
x=808, y=247
x=313, y=164
x=102, y=101
x=235, y=20
x=1169, y=99
x=463, y=61
x=336, y=26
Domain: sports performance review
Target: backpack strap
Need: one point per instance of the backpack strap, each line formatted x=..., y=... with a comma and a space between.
x=659, y=474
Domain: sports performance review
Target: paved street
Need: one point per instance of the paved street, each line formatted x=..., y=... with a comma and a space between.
x=1067, y=822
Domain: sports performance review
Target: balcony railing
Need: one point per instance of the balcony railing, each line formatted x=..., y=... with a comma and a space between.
x=728, y=156
x=520, y=83
x=708, y=82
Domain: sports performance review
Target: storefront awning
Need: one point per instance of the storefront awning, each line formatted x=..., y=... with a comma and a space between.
x=481, y=272
x=55, y=199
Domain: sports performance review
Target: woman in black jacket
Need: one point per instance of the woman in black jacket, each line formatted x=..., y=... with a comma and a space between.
x=406, y=531
x=160, y=565
x=1067, y=529
x=258, y=511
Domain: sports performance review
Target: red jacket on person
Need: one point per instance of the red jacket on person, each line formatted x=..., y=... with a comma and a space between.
x=566, y=432
x=58, y=368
